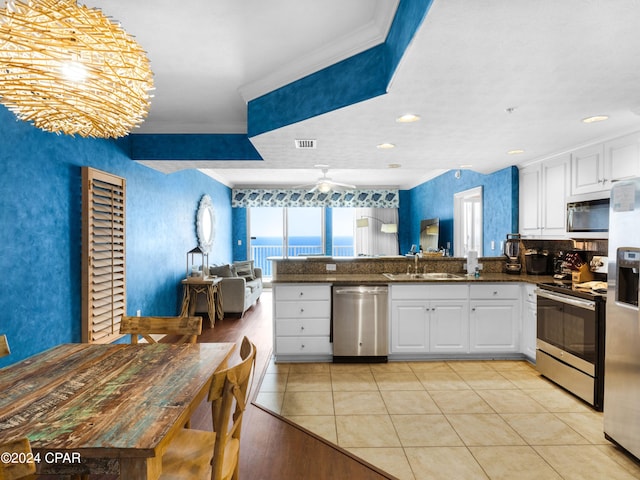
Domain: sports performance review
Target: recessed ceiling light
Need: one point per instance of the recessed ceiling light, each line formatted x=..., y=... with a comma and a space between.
x=385, y=146
x=595, y=118
x=516, y=151
x=394, y=165
x=466, y=165
x=408, y=118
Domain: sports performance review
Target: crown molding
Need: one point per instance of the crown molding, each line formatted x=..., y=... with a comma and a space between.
x=370, y=35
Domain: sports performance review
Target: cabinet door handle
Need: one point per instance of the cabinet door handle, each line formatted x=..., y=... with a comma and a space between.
x=473, y=309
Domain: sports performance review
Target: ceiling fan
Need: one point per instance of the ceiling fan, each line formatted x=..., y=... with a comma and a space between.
x=324, y=184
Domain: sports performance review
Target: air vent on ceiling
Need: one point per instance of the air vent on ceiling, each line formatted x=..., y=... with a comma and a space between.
x=305, y=144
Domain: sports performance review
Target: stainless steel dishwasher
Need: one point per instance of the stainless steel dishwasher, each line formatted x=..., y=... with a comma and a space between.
x=360, y=325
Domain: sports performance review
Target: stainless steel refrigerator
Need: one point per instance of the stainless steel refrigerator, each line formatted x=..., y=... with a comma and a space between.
x=622, y=350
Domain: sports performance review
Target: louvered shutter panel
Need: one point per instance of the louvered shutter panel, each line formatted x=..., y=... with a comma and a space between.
x=103, y=255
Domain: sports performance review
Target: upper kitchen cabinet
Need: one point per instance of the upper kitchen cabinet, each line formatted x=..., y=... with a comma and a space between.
x=595, y=168
x=543, y=191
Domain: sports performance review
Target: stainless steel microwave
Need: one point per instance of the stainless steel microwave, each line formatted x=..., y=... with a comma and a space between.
x=588, y=216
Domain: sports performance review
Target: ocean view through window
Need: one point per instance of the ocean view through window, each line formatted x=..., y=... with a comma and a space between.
x=294, y=232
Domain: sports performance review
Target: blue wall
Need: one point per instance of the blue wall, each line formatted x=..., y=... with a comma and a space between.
x=40, y=201
x=435, y=199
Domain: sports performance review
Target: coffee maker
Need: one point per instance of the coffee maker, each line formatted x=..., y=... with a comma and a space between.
x=512, y=252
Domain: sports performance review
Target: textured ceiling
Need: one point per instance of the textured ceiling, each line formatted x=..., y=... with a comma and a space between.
x=552, y=62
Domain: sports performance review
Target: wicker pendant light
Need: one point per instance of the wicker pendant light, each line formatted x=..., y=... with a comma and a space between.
x=68, y=69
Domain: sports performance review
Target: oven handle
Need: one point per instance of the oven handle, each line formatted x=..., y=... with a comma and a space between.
x=576, y=302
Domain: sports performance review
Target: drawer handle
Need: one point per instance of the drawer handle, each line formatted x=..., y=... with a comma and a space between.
x=301, y=293
x=302, y=346
x=495, y=293
x=302, y=310
x=302, y=329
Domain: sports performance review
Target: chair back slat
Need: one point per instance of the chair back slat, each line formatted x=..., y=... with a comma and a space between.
x=228, y=396
x=20, y=470
x=187, y=327
x=4, y=346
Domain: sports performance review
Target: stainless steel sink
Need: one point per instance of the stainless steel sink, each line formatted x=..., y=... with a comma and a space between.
x=423, y=276
x=442, y=276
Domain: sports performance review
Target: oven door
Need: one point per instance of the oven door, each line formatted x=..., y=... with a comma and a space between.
x=567, y=329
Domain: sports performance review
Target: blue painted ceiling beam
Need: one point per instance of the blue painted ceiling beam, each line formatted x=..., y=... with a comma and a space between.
x=355, y=79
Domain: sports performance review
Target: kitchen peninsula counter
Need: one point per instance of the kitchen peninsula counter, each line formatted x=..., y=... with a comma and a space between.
x=448, y=315
x=369, y=270
x=379, y=279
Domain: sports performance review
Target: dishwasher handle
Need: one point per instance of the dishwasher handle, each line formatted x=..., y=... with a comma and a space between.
x=360, y=290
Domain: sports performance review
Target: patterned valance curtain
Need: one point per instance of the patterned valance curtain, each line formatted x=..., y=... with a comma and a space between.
x=281, y=197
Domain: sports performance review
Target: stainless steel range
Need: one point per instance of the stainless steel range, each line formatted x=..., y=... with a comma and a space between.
x=570, y=340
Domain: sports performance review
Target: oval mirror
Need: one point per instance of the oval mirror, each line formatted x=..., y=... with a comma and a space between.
x=205, y=223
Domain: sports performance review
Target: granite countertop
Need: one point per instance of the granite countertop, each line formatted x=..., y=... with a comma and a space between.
x=379, y=279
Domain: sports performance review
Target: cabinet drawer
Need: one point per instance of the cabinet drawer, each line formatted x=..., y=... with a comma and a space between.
x=303, y=346
x=303, y=309
x=429, y=291
x=297, y=327
x=491, y=291
x=302, y=292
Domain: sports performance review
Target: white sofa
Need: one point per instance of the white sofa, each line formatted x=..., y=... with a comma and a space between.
x=240, y=287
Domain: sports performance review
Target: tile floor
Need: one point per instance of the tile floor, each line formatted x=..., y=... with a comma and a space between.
x=446, y=420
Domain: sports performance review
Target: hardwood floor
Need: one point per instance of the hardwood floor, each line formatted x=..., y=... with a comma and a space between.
x=272, y=448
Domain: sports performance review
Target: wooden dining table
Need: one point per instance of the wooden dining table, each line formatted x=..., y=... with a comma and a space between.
x=90, y=408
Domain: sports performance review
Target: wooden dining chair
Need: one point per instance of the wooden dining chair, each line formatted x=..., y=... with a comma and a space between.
x=20, y=469
x=4, y=346
x=189, y=455
x=187, y=327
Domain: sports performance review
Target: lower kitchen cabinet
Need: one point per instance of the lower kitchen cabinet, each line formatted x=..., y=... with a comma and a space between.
x=421, y=325
x=529, y=322
x=302, y=322
x=494, y=326
x=494, y=319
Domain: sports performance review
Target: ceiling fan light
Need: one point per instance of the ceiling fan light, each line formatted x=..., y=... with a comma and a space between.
x=324, y=187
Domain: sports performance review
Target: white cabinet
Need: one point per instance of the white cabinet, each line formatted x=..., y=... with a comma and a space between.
x=429, y=318
x=529, y=322
x=596, y=168
x=543, y=191
x=494, y=318
x=409, y=326
x=555, y=189
x=530, y=203
x=622, y=159
x=302, y=321
x=587, y=170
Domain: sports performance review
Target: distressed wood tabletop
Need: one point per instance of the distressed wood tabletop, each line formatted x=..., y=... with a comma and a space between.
x=122, y=402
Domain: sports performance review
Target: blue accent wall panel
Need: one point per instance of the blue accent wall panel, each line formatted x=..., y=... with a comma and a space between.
x=40, y=219
x=192, y=147
x=435, y=199
x=240, y=233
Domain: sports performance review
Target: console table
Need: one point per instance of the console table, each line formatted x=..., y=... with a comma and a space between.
x=208, y=286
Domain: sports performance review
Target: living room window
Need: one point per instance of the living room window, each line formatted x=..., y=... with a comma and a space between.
x=285, y=232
